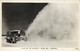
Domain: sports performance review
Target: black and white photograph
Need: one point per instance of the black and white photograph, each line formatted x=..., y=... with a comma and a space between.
x=40, y=25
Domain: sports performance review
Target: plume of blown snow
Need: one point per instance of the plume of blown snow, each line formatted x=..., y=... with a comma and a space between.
x=54, y=22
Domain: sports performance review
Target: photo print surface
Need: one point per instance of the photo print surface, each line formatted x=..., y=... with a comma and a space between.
x=39, y=24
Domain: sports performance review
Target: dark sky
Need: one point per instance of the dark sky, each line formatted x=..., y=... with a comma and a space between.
x=20, y=15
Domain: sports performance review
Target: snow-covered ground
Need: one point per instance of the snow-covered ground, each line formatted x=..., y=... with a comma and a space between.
x=45, y=44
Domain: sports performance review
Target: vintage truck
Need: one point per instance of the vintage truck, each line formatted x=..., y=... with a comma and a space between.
x=15, y=35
